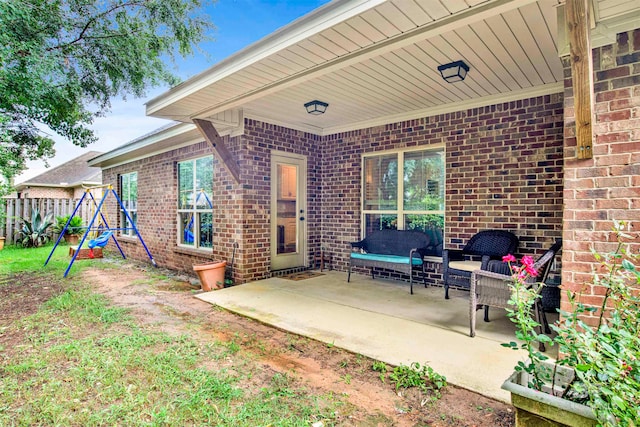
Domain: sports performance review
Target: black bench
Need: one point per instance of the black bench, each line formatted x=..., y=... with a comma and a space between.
x=398, y=250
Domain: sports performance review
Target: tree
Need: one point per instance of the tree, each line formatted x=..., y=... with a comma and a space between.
x=62, y=61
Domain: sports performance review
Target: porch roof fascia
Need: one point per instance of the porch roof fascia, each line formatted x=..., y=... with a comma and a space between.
x=126, y=153
x=314, y=22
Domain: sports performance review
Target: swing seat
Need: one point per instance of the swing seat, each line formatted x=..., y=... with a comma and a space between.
x=100, y=241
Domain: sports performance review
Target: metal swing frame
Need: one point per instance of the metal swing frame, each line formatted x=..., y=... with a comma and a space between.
x=89, y=228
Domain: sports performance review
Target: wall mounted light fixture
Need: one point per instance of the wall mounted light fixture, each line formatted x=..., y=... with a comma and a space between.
x=454, y=71
x=316, y=107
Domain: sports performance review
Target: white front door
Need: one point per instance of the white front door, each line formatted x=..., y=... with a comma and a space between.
x=288, y=210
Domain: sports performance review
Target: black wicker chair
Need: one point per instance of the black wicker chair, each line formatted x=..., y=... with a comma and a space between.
x=491, y=288
x=484, y=246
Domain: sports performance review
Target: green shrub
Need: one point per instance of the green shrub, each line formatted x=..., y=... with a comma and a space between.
x=76, y=225
x=34, y=231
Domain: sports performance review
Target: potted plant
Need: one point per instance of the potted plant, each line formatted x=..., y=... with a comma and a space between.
x=596, y=380
x=74, y=229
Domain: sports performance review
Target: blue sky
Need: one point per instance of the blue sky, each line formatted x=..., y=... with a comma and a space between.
x=238, y=24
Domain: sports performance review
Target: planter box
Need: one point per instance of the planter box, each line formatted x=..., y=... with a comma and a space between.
x=84, y=252
x=541, y=409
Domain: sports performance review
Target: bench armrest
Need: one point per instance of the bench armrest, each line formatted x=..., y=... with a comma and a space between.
x=452, y=255
x=425, y=251
x=358, y=245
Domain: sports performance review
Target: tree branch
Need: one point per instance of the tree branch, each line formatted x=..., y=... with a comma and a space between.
x=91, y=21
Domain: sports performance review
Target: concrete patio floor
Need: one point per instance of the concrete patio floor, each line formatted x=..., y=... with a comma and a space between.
x=380, y=319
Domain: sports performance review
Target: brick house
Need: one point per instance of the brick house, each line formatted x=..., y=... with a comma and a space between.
x=497, y=149
x=66, y=181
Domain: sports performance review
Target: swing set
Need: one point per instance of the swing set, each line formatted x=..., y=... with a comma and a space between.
x=107, y=233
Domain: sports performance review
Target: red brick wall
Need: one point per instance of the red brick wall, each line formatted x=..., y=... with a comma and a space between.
x=606, y=187
x=241, y=212
x=157, y=208
x=260, y=139
x=503, y=170
x=47, y=193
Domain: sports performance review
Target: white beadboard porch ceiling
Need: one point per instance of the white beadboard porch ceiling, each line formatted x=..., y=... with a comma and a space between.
x=375, y=61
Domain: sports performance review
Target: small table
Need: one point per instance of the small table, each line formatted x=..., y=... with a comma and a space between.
x=323, y=257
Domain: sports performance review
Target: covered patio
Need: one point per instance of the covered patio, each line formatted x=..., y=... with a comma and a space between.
x=381, y=320
x=531, y=141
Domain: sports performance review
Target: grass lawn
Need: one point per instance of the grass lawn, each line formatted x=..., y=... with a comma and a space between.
x=120, y=344
x=70, y=358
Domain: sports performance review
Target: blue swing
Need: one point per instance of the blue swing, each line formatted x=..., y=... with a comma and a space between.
x=100, y=241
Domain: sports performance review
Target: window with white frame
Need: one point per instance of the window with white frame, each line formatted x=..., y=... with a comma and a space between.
x=195, y=209
x=404, y=190
x=129, y=198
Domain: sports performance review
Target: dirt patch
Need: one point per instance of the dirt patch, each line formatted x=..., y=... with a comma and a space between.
x=27, y=289
x=165, y=301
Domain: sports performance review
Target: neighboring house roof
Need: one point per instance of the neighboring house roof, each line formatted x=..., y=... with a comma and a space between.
x=73, y=173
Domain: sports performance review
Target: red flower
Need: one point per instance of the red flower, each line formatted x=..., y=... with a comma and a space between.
x=527, y=261
x=532, y=271
x=508, y=258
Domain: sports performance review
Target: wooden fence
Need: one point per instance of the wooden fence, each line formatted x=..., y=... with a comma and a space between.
x=16, y=209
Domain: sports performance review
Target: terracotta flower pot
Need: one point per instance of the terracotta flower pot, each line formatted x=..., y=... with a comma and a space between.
x=72, y=239
x=211, y=274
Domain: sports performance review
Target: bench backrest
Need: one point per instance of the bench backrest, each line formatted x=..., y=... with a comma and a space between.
x=495, y=243
x=396, y=242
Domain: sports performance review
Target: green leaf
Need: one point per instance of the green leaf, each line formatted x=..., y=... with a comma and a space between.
x=61, y=63
x=619, y=402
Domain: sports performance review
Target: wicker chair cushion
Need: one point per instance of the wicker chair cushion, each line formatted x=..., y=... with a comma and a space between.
x=387, y=258
x=494, y=243
x=465, y=265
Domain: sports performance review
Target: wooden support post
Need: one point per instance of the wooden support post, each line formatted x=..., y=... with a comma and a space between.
x=577, y=20
x=212, y=136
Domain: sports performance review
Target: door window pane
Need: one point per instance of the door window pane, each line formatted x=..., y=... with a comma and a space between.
x=287, y=225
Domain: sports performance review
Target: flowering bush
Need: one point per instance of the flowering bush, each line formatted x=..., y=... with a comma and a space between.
x=524, y=293
x=604, y=352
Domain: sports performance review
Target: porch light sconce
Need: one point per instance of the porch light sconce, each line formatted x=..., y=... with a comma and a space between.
x=316, y=107
x=454, y=71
